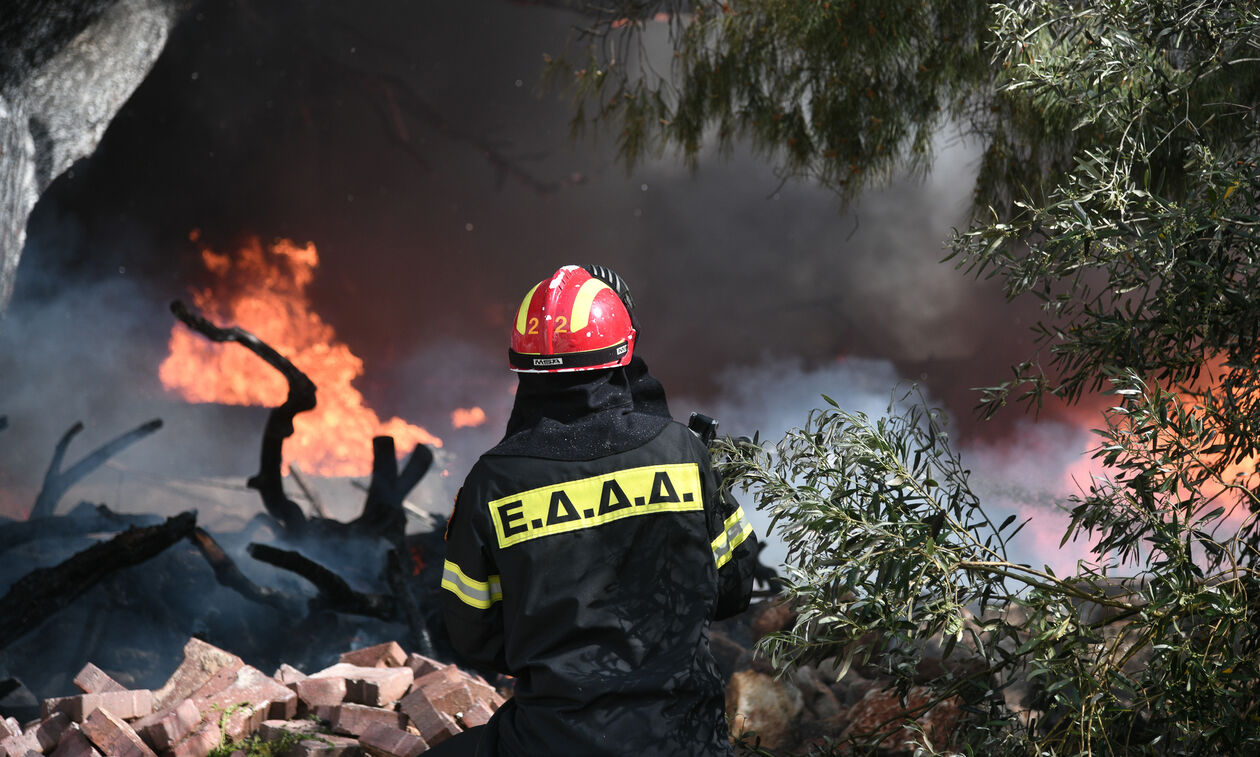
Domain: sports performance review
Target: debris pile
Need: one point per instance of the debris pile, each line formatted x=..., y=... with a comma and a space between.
x=815, y=707
x=377, y=701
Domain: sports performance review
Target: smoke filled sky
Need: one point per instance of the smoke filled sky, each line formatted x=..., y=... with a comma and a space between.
x=410, y=143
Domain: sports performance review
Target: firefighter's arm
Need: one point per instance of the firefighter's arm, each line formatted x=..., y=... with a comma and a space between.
x=471, y=596
x=734, y=551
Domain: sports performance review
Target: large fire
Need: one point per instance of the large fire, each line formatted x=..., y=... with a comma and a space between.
x=263, y=290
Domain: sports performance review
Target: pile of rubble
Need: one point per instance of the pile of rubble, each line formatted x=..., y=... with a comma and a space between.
x=376, y=701
x=814, y=707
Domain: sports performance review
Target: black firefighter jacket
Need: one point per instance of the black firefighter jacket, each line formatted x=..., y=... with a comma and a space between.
x=586, y=556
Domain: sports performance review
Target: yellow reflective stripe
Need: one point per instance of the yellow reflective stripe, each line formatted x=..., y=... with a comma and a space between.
x=734, y=531
x=522, y=313
x=594, y=501
x=478, y=594
x=581, y=314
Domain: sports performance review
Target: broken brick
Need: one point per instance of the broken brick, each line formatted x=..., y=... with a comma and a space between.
x=114, y=737
x=9, y=728
x=288, y=675
x=376, y=687
x=354, y=719
x=421, y=665
x=326, y=745
x=201, y=662
x=224, y=717
x=316, y=691
x=93, y=680
x=74, y=744
x=123, y=704
x=49, y=730
x=20, y=745
x=317, y=743
x=387, y=655
x=162, y=729
x=478, y=714
x=434, y=725
x=381, y=740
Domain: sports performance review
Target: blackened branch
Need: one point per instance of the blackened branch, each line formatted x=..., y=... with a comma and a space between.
x=334, y=593
x=227, y=574
x=43, y=592
x=383, y=513
x=57, y=481
x=269, y=482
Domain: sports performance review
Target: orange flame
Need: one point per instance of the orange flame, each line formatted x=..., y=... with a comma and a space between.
x=263, y=290
x=468, y=417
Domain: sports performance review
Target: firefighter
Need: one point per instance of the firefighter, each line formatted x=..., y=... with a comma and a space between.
x=588, y=552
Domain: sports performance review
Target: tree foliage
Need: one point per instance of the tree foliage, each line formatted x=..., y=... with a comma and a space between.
x=1119, y=186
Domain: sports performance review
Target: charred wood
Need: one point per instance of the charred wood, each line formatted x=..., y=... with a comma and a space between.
x=42, y=592
x=229, y=575
x=57, y=481
x=82, y=520
x=383, y=513
x=317, y=503
x=407, y=604
x=334, y=593
x=268, y=482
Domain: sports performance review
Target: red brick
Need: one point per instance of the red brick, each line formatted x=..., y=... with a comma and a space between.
x=322, y=744
x=222, y=715
x=201, y=662
x=448, y=673
x=484, y=691
x=434, y=725
x=478, y=714
x=49, y=730
x=199, y=743
x=114, y=737
x=387, y=655
x=123, y=704
x=288, y=675
x=420, y=665
x=162, y=729
x=381, y=740
x=327, y=745
x=316, y=691
x=376, y=687
x=353, y=719
x=74, y=744
x=451, y=697
x=93, y=680
x=20, y=745
x=274, y=730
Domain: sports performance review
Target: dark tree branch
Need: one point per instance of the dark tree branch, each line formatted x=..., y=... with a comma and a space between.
x=407, y=603
x=268, y=482
x=43, y=592
x=57, y=481
x=383, y=513
x=227, y=574
x=334, y=593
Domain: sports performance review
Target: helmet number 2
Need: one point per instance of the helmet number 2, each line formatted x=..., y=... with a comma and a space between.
x=562, y=325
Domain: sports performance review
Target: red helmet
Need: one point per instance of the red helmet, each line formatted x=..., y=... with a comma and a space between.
x=571, y=322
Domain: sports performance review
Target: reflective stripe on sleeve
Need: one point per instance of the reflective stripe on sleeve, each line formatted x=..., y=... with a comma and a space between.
x=474, y=593
x=734, y=531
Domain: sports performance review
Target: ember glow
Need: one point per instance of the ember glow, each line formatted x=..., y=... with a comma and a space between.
x=262, y=289
x=468, y=417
